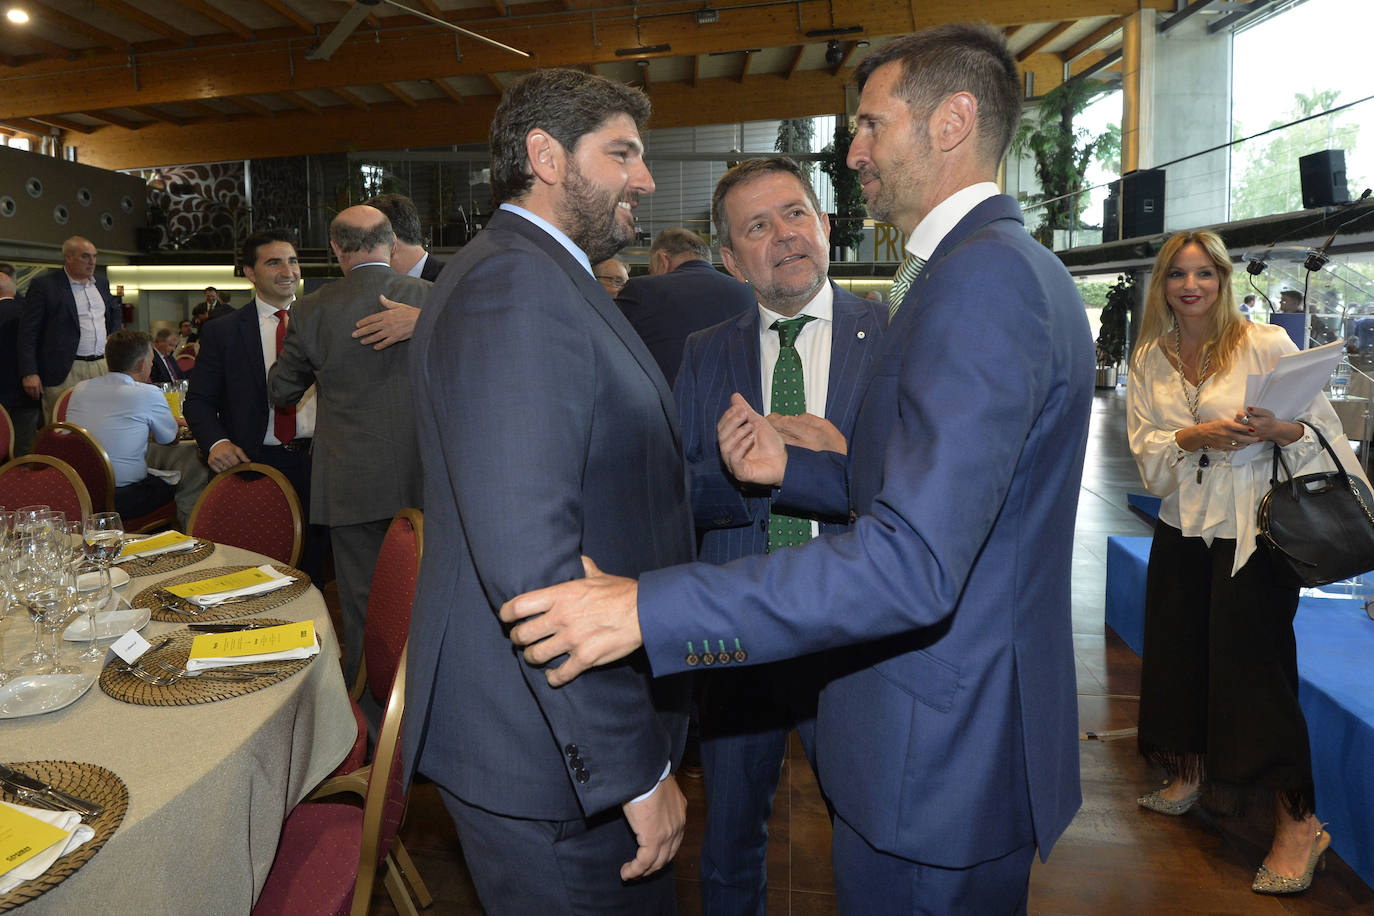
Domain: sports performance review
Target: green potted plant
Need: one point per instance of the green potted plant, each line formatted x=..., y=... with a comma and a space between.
x=1111, y=337
x=846, y=227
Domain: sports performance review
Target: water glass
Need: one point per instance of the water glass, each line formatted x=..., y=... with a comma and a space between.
x=92, y=595
x=57, y=602
x=104, y=535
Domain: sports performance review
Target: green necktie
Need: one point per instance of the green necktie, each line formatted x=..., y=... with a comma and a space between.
x=907, y=272
x=789, y=399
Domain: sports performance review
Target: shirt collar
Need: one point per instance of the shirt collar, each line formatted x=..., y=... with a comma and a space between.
x=551, y=229
x=75, y=282
x=822, y=306
x=945, y=215
x=418, y=267
x=266, y=310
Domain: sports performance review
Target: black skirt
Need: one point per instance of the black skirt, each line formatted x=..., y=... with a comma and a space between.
x=1219, y=675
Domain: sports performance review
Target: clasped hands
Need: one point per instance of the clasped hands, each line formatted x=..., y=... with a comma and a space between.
x=1252, y=425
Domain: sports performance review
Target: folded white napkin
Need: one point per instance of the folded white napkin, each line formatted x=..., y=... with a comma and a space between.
x=172, y=477
x=229, y=661
x=69, y=821
x=158, y=551
x=260, y=588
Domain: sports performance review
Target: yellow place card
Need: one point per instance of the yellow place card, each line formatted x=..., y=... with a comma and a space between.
x=23, y=836
x=254, y=642
x=157, y=541
x=224, y=583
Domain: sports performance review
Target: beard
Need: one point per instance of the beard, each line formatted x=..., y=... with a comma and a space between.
x=590, y=216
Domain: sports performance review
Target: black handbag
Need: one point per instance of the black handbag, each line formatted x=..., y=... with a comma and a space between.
x=1318, y=528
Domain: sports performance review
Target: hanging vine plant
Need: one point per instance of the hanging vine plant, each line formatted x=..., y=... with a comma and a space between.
x=846, y=230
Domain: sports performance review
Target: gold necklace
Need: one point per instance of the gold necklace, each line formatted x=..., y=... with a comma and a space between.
x=1193, y=398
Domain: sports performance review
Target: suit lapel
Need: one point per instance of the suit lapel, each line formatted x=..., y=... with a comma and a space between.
x=743, y=358
x=846, y=359
x=601, y=303
x=250, y=338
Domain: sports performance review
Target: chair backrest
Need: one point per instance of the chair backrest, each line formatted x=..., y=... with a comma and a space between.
x=6, y=435
x=186, y=362
x=251, y=506
x=385, y=802
x=43, y=480
x=59, y=409
x=390, y=598
x=88, y=457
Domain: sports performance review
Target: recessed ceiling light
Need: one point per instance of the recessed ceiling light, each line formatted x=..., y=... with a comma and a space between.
x=16, y=15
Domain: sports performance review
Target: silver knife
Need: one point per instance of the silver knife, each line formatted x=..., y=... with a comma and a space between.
x=227, y=627
x=71, y=802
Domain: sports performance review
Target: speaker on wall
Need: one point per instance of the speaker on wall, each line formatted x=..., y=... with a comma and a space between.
x=1323, y=178
x=1142, y=203
x=1111, y=209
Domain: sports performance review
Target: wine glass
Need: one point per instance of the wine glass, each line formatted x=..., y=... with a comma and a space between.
x=28, y=573
x=55, y=601
x=6, y=599
x=92, y=595
x=104, y=536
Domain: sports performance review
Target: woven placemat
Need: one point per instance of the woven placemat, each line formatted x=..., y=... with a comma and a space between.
x=90, y=783
x=168, y=562
x=173, y=649
x=156, y=601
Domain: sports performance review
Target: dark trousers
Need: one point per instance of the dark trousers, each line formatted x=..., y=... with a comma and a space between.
x=143, y=496
x=875, y=883
x=294, y=465
x=355, y=557
x=523, y=867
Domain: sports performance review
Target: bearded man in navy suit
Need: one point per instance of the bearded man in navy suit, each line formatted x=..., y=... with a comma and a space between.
x=947, y=734
x=775, y=238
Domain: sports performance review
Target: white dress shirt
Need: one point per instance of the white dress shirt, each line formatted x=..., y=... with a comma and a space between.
x=306, y=407
x=90, y=317
x=945, y=215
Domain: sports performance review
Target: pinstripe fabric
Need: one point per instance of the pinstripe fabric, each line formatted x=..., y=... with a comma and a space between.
x=724, y=359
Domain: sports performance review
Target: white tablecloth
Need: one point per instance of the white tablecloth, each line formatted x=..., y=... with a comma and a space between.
x=209, y=785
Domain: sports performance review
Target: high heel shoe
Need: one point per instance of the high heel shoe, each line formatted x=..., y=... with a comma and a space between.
x=1156, y=801
x=1271, y=882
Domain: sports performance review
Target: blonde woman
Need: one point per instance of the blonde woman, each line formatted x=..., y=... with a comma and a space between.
x=1219, y=684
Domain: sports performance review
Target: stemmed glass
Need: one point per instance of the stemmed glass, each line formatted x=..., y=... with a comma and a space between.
x=56, y=602
x=92, y=594
x=29, y=568
x=104, y=536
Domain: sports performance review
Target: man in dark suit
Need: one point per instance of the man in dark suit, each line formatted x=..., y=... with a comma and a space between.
x=682, y=293
x=67, y=315
x=774, y=237
x=409, y=256
x=227, y=406
x=546, y=430
x=165, y=367
x=946, y=738
x=365, y=466
x=22, y=408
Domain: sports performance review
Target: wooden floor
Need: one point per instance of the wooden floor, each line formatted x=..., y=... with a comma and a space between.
x=1115, y=858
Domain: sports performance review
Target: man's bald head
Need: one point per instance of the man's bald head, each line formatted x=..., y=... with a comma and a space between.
x=7, y=287
x=360, y=235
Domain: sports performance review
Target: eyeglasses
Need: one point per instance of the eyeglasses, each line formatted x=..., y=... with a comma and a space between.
x=617, y=282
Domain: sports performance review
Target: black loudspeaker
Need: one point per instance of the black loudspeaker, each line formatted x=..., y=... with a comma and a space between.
x=1323, y=178
x=147, y=238
x=1142, y=203
x=1111, y=207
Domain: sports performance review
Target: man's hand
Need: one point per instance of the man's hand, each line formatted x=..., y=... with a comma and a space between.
x=752, y=450
x=393, y=324
x=809, y=431
x=658, y=822
x=594, y=621
x=224, y=455
x=33, y=386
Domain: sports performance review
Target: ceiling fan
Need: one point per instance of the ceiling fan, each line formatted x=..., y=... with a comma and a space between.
x=361, y=9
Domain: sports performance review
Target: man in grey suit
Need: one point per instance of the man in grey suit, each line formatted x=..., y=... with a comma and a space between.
x=546, y=431
x=365, y=465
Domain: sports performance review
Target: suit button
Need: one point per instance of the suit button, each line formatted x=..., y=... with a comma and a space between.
x=708, y=659
x=740, y=655
x=571, y=750
x=853, y=516
x=763, y=524
x=583, y=776
x=692, y=659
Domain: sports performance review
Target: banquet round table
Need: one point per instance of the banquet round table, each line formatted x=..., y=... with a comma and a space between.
x=209, y=785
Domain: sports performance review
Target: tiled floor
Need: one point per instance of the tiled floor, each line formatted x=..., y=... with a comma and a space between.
x=1114, y=859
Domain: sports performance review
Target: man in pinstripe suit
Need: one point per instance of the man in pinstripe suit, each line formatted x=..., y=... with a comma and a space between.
x=774, y=238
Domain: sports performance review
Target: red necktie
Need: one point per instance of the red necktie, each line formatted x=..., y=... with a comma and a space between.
x=283, y=418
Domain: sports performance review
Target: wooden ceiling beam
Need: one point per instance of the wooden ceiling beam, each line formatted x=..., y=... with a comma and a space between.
x=796, y=62
x=1101, y=34
x=744, y=66
x=157, y=115
x=849, y=48
x=401, y=94
x=253, y=105
x=676, y=104
x=215, y=15
x=500, y=7
x=410, y=54
x=351, y=97
x=290, y=15
x=116, y=120
x=25, y=126
x=61, y=20
x=496, y=84
x=1044, y=40
x=66, y=124
x=442, y=85
x=429, y=6
x=644, y=76
x=30, y=40
x=696, y=69
x=149, y=22
x=296, y=98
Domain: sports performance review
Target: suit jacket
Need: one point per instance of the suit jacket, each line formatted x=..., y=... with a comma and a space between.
x=948, y=734
x=12, y=393
x=48, y=329
x=227, y=398
x=431, y=269
x=665, y=308
x=546, y=432
x=364, y=465
x=724, y=359
x=165, y=369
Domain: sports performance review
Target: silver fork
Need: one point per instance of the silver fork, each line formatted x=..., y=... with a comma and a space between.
x=149, y=677
x=212, y=675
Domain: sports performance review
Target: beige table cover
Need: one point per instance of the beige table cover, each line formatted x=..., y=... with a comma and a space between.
x=209, y=785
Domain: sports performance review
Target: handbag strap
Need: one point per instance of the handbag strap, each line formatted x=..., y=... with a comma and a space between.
x=1340, y=469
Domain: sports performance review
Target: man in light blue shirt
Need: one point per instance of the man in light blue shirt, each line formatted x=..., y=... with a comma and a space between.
x=122, y=412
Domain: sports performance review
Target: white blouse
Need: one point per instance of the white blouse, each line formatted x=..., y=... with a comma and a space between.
x=1224, y=504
